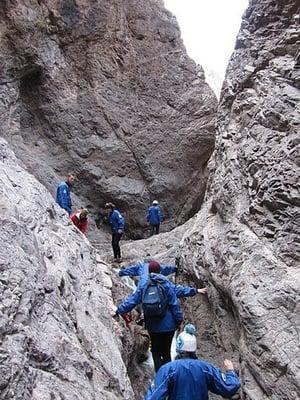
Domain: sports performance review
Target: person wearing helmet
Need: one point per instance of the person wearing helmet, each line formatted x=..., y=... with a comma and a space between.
x=80, y=219
x=154, y=217
x=188, y=378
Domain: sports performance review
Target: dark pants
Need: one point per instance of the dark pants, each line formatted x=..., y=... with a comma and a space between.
x=154, y=229
x=161, y=347
x=116, y=237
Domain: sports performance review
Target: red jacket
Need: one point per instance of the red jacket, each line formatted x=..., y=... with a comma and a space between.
x=81, y=224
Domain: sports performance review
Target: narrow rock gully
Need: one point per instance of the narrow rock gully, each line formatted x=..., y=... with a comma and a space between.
x=217, y=337
x=106, y=90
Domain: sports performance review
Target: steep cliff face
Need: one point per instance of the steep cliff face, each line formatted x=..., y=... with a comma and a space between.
x=105, y=89
x=56, y=334
x=245, y=239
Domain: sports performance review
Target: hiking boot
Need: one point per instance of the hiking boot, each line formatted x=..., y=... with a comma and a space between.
x=119, y=260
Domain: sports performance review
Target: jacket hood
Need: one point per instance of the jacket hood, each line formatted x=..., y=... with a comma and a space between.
x=158, y=278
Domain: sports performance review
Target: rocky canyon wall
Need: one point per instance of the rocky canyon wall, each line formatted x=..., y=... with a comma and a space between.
x=57, y=337
x=105, y=89
x=245, y=240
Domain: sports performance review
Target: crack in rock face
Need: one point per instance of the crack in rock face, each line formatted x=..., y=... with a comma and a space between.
x=105, y=89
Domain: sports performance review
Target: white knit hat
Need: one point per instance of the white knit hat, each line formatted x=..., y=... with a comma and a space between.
x=154, y=202
x=186, y=340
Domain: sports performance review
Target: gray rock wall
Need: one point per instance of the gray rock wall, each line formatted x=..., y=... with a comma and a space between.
x=105, y=89
x=57, y=338
x=244, y=242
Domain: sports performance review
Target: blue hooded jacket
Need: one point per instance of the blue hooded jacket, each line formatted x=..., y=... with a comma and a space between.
x=173, y=316
x=155, y=215
x=63, y=196
x=138, y=269
x=116, y=221
x=189, y=379
x=141, y=269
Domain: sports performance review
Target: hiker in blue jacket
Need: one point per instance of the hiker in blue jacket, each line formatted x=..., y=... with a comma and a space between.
x=161, y=328
x=117, y=223
x=188, y=378
x=154, y=217
x=141, y=269
x=63, y=193
x=137, y=269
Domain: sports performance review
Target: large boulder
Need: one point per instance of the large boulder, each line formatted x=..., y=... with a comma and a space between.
x=57, y=338
x=105, y=89
x=245, y=240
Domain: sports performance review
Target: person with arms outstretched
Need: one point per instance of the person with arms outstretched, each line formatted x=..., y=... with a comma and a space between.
x=161, y=310
x=188, y=378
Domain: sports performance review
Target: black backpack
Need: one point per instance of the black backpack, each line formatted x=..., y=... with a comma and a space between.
x=154, y=300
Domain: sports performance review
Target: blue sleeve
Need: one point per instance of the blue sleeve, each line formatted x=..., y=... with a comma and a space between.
x=167, y=269
x=159, y=389
x=185, y=291
x=174, y=305
x=131, y=301
x=144, y=273
x=225, y=385
x=131, y=270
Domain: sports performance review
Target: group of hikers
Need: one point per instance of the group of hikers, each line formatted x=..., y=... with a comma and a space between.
x=187, y=377
x=115, y=218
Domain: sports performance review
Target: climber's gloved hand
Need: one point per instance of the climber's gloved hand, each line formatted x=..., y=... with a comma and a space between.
x=202, y=291
x=120, y=231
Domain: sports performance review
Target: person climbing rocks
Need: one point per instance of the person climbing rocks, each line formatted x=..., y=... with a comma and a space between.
x=154, y=217
x=140, y=269
x=162, y=313
x=63, y=193
x=188, y=378
x=80, y=219
x=117, y=223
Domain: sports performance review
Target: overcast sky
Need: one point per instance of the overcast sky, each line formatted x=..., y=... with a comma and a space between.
x=209, y=29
